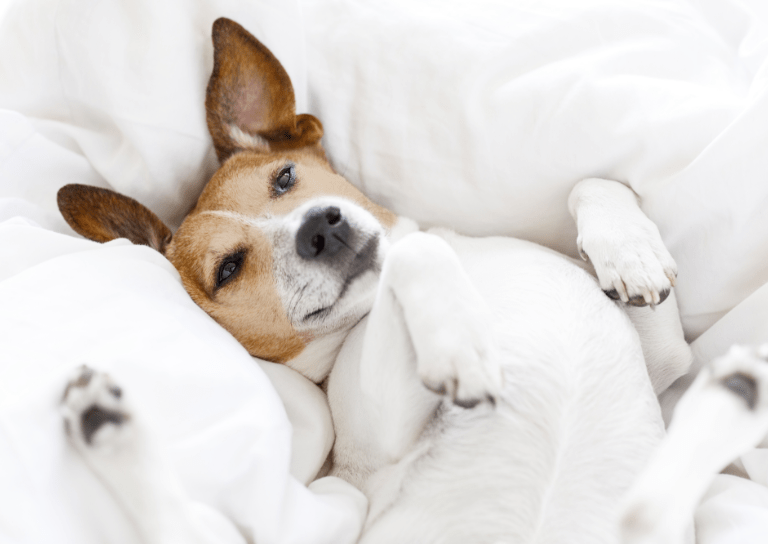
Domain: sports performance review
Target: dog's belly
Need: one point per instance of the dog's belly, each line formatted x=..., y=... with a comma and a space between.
x=577, y=422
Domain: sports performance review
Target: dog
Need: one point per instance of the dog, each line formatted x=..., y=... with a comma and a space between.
x=482, y=390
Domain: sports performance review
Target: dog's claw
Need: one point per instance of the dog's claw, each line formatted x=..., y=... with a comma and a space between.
x=612, y=294
x=580, y=248
x=640, y=301
x=672, y=277
x=466, y=372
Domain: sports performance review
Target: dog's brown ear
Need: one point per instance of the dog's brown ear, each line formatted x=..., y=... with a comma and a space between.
x=250, y=102
x=103, y=215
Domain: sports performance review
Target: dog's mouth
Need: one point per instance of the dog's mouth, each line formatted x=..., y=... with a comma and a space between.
x=363, y=261
x=319, y=313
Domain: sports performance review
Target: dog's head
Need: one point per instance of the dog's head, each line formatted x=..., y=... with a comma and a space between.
x=279, y=249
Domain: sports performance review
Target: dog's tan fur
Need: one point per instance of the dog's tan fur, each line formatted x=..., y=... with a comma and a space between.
x=256, y=131
x=250, y=308
x=103, y=215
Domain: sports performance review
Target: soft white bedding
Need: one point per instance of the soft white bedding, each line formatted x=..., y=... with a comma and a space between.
x=478, y=115
x=121, y=308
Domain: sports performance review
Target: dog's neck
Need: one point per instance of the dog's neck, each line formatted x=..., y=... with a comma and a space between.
x=317, y=358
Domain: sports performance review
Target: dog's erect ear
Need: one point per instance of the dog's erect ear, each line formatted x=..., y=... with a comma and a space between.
x=103, y=215
x=250, y=102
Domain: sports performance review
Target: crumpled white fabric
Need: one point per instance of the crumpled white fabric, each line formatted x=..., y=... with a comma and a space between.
x=111, y=94
x=122, y=309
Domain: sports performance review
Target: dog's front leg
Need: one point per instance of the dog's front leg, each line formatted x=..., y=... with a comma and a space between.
x=722, y=415
x=633, y=267
x=449, y=324
x=427, y=337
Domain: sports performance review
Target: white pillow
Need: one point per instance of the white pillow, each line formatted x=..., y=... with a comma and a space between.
x=112, y=94
x=483, y=115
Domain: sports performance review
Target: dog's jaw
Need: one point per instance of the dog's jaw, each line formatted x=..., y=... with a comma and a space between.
x=322, y=296
x=317, y=359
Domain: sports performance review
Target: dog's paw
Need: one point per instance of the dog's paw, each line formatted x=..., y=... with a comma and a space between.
x=460, y=362
x=632, y=263
x=449, y=323
x=93, y=409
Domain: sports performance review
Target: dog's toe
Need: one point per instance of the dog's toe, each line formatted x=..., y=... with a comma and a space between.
x=632, y=266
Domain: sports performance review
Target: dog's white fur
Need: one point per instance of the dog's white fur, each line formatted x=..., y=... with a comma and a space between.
x=566, y=416
x=575, y=420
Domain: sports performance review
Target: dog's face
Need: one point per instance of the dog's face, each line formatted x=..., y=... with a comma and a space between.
x=279, y=248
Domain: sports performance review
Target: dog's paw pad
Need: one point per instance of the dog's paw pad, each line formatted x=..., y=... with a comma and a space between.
x=743, y=372
x=93, y=409
x=632, y=264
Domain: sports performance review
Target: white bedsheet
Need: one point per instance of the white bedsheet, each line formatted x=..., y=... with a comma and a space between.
x=478, y=115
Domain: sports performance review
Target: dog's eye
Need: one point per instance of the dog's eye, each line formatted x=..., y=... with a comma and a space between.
x=284, y=180
x=229, y=268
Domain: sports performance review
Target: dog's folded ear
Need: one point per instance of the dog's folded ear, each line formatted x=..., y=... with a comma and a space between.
x=103, y=215
x=250, y=102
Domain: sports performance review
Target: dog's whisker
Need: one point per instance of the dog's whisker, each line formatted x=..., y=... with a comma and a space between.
x=296, y=299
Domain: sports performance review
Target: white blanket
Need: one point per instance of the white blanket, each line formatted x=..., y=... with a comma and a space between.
x=477, y=115
x=122, y=308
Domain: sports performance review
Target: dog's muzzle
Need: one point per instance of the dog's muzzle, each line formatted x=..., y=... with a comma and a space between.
x=323, y=233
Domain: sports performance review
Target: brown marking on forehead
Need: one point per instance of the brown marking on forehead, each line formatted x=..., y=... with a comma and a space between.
x=249, y=308
x=243, y=184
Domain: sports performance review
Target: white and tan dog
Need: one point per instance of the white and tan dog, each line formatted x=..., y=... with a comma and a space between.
x=482, y=390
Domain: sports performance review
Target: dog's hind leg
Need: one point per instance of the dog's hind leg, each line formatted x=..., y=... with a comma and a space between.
x=722, y=415
x=118, y=449
x=667, y=355
x=633, y=267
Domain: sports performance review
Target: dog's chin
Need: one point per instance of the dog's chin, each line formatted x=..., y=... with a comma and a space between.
x=353, y=303
x=355, y=294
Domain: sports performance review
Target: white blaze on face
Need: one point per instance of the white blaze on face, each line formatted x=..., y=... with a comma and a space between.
x=323, y=296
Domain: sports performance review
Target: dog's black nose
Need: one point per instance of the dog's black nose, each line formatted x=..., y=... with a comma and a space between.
x=323, y=232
